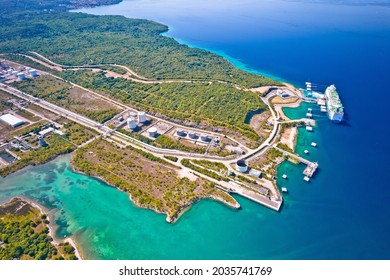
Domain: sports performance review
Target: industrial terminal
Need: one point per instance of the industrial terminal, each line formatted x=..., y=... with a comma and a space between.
x=28, y=123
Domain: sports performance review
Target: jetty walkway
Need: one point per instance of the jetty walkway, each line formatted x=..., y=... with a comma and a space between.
x=311, y=167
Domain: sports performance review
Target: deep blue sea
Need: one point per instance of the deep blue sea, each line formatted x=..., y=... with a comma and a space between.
x=343, y=213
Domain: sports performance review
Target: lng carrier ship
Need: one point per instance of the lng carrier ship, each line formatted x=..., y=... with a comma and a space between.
x=333, y=104
x=329, y=101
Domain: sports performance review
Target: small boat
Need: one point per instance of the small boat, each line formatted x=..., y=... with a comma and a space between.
x=313, y=144
x=309, y=128
x=306, y=151
x=309, y=110
x=284, y=190
x=309, y=115
x=284, y=176
x=307, y=179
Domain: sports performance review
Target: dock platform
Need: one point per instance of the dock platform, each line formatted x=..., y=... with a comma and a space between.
x=310, y=169
x=311, y=166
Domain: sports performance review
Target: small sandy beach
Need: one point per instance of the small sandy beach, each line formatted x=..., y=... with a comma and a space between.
x=288, y=137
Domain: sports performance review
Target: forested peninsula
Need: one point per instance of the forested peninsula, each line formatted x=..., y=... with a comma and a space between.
x=77, y=39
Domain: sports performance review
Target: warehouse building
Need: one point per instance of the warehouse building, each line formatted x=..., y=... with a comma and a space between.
x=11, y=120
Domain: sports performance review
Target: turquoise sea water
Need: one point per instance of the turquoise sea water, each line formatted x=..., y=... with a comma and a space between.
x=342, y=213
x=305, y=138
x=106, y=225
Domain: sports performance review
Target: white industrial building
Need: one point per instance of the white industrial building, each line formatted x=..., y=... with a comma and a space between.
x=255, y=173
x=11, y=120
x=46, y=131
x=283, y=93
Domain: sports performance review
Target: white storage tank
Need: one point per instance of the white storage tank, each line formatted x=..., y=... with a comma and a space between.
x=131, y=123
x=152, y=132
x=21, y=76
x=141, y=117
x=42, y=142
x=181, y=133
x=193, y=135
x=205, y=138
x=33, y=73
x=241, y=166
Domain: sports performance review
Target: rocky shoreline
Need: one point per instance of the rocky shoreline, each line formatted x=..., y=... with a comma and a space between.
x=43, y=211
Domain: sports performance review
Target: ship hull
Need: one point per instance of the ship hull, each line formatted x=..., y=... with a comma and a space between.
x=335, y=117
x=333, y=104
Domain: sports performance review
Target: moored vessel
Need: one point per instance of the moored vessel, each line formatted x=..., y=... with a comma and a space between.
x=333, y=103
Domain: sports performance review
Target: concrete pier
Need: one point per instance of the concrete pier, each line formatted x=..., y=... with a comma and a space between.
x=311, y=166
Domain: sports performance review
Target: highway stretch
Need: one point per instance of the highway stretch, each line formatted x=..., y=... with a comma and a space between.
x=106, y=131
x=249, y=153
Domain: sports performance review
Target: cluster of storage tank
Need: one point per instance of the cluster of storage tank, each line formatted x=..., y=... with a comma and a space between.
x=193, y=135
x=131, y=121
x=12, y=72
x=22, y=75
x=31, y=72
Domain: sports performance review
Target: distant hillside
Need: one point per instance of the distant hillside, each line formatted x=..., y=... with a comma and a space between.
x=58, y=5
x=76, y=39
